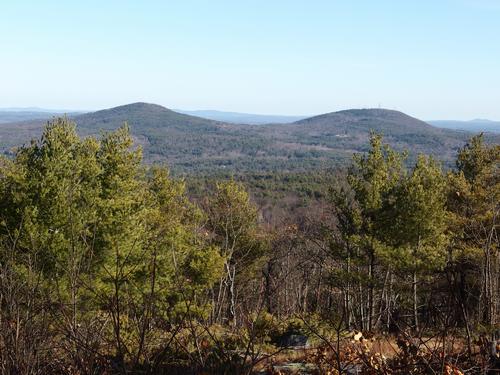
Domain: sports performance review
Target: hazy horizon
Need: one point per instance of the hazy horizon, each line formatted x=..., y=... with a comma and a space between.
x=431, y=60
x=207, y=110
x=194, y=110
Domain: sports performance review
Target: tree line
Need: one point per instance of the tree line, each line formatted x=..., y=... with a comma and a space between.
x=107, y=265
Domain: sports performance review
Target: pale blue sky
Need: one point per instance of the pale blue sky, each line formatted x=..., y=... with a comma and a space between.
x=432, y=59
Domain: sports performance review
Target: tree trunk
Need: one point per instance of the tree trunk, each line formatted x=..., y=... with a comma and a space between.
x=347, y=294
x=267, y=291
x=371, y=286
x=415, y=300
x=232, y=296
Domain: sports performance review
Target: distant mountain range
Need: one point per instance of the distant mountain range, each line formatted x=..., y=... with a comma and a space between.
x=15, y=114
x=477, y=125
x=242, y=118
x=192, y=144
x=36, y=109
x=33, y=113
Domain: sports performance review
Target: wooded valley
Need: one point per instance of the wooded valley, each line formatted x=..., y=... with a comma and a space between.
x=389, y=264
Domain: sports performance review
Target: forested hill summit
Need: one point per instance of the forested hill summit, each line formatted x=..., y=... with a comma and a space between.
x=144, y=116
x=191, y=144
x=383, y=119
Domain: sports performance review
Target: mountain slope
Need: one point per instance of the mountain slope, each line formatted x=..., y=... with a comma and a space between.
x=143, y=116
x=170, y=136
x=191, y=144
x=382, y=119
x=351, y=129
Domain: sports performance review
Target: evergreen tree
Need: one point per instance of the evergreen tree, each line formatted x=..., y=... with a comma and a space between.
x=372, y=178
x=417, y=222
x=103, y=236
x=474, y=199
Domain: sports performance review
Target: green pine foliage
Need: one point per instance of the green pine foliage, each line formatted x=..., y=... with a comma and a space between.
x=102, y=235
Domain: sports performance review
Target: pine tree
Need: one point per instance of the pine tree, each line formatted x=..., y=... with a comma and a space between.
x=474, y=199
x=417, y=223
x=372, y=178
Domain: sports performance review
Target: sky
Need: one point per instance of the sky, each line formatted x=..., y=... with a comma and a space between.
x=432, y=59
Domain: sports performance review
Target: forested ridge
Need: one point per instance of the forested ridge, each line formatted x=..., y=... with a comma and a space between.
x=194, y=146
x=111, y=265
